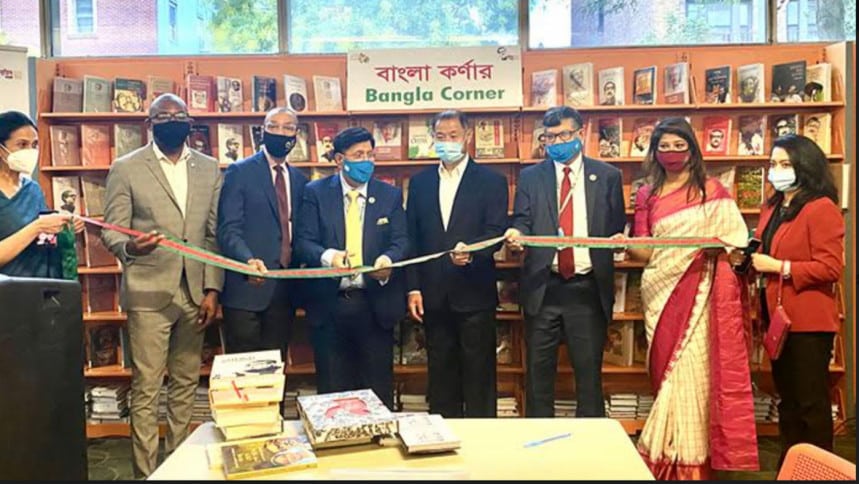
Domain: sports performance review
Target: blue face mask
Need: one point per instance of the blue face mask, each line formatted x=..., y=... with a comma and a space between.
x=449, y=151
x=359, y=171
x=563, y=152
x=782, y=179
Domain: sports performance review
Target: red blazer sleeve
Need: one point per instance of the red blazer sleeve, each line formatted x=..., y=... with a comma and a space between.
x=825, y=227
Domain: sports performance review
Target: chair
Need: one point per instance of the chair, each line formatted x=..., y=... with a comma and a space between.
x=806, y=462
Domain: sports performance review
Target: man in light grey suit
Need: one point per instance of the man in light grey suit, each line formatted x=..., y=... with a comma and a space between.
x=164, y=188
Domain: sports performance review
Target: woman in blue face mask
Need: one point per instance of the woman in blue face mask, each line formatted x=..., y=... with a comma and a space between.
x=802, y=234
x=28, y=246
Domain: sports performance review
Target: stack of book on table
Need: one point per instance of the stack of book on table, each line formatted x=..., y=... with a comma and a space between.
x=245, y=391
x=345, y=418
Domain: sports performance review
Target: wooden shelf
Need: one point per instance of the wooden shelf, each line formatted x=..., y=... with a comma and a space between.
x=508, y=316
x=100, y=270
x=121, y=429
x=117, y=371
x=565, y=369
x=72, y=169
x=309, y=369
x=105, y=317
x=770, y=106
x=628, y=317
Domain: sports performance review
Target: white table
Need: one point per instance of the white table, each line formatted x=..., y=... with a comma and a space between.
x=492, y=449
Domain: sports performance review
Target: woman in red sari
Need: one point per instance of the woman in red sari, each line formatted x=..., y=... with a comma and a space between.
x=697, y=331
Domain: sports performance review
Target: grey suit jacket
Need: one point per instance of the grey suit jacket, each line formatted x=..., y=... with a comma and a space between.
x=138, y=196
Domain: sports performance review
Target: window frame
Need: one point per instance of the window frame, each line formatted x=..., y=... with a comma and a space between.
x=72, y=20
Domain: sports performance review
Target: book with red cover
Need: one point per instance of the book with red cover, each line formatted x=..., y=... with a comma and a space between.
x=65, y=146
x=97, y=253
x=101, y=293
x=201, y=94
x=95, y=141
x=717, y=135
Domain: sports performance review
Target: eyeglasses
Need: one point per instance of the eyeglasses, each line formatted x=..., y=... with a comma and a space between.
x=565, y=135
x=284, y=128
x=360, y=155
x=167, y=117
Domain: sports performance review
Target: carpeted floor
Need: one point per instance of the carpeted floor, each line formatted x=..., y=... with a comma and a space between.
x=110, y=458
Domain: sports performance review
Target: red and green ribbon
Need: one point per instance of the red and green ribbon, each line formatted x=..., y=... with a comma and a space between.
x=185, y=249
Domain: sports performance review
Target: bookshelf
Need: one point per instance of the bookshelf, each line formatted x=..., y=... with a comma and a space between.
x=517, y=125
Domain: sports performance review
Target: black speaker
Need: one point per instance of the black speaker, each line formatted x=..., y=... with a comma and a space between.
x=42, y=420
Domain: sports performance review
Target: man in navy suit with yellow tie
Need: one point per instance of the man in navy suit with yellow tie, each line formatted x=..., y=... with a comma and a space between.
x=350, y=219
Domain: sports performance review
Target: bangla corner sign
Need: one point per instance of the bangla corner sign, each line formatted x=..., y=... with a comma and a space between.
x=443, y=78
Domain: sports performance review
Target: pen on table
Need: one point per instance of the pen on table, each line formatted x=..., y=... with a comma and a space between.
x=535, y=443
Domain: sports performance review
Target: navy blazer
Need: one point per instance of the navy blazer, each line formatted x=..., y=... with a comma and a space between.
x=323, y=226
x=479, y=213
x=535, y=212
x=249, y=227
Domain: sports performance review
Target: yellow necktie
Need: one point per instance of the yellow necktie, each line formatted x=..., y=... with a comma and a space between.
x=354, y=245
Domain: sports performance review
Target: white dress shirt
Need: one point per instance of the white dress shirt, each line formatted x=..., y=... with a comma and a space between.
x=273, y=172
x=448, y=184
x=176, y=174
x=581, y=256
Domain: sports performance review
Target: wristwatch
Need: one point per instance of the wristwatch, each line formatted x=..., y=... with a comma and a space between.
x=785, y=271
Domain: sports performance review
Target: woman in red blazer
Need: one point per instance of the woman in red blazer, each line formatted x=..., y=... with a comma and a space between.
x=802, y=234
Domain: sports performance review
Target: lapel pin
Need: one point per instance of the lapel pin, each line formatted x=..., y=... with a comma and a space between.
x=372, y=200
x=592, y=177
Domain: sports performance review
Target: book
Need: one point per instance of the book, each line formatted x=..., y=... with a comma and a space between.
x=295, y=93
x=301, y=151
x=97, y=95
x=420, y=138
x=717, y=135
x=93, y=194
x=508, y=295
x=229, y=95
x=124, y=348
x=818, y=128
x=634, y=186
x=619, y=343
x=101, y=293
x=95, y=144
x=128, y=95
x=267, y=413
x=718, y=88
x=726, y=176
x=620, y=279
x=345, y=418
x=65, y=146
x=538, y=140
x=677, y=83
x=389, y=140
x=157, y=86
x=262, y=456
x=231, y=143
x=249, y=369
x=633, y=293
x=242, y=398
x=544, y=88
x=752, y=129
x=818, y=83
x=503, y=344
x=126, y=138
x=200, y=139
x=788, y=82
x=424, y=434
x=750, y=187
x=750, y=79
x=611, y=87
x=784, y=124
x=609, y=130
x=68, y=95
x=579, y=84
x=644, y=85
x=327, y=93
x=488, y=138
x=97, y=254
x=66, y=191
x=201, y=98
x=104, y=344
x=414, y=342
x=642, y=130
x=252, y=430
x=325, y=131
x=264, y=93
x=639, y=350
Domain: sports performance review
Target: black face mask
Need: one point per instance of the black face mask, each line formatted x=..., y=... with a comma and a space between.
x=277, y=145
x=172, y=134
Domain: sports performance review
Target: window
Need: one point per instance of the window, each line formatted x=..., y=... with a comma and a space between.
x=165, y=27
x=342, y=25
x=19, y=25
x=592, y=23
x=816, y=20
x=82, y=16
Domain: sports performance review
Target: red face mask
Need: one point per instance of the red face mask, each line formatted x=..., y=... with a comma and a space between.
x=672, y=161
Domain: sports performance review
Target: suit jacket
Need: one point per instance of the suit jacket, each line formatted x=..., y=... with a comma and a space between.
x=479, y=213
x=249, y=227
x=535, y=212
x=813, y=242
x=138, y=196
x=323, y=226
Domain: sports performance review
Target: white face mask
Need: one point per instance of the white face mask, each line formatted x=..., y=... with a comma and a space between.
x=22, y=161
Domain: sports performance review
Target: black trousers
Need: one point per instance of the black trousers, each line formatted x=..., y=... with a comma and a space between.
x=801, y=376
x=461, y=363
x=571, y=309
x=353, y=352
x=261, y=330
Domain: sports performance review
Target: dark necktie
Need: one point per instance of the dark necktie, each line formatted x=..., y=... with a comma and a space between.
x=283, y=210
